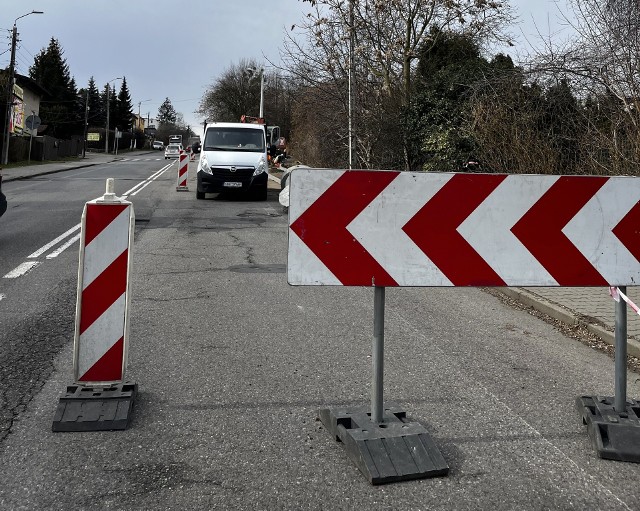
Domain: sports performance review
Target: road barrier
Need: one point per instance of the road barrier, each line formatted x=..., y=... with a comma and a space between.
x=380, y=229
x=100, y=399
x=183, y=173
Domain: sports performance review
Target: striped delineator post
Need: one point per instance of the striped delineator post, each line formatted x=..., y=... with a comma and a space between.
x=102, y=319
x=100, y=399
x=183, y=172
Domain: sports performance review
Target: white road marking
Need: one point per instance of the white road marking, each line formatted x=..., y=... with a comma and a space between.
x=27, y=266
x=64, y=247
x=46, y=247
x=21, y=270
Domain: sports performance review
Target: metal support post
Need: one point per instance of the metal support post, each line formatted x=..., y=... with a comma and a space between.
x=621, y=354
x=377, y=408
x=613, y=422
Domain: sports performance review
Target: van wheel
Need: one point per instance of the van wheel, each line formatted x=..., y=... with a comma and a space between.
x=199, y=195
x=260, y=194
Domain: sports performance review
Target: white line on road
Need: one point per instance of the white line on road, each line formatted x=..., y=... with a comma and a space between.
x=21, y=270
x=64, y=247
x=140, y=186
x=46, y=247
x=27, y=266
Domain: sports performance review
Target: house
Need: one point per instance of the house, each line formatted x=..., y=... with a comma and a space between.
x=27, y=95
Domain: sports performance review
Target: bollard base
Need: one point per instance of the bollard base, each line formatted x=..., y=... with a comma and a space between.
x=615, y=435
x=390, y=451
x=95, y=408
x=182, y=189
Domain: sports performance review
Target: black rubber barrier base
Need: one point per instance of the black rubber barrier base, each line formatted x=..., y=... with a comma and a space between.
x=615, y=436
x=390, y=451
x=95, y=408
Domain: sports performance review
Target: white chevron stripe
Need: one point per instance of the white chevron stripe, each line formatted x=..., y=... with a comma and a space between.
x=304, y=267
x=106, y=247
x=306, y=186
x=591, y=231
x=488, y=229
x=101, y=335
x=379, y=229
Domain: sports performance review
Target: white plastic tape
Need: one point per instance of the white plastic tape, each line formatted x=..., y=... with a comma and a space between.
x=616, y=294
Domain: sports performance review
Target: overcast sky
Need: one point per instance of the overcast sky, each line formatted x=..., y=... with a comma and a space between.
x=174, y=49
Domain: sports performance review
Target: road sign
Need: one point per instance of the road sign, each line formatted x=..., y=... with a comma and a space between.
x=384, y=228
x=32, y=122
x=93, y=137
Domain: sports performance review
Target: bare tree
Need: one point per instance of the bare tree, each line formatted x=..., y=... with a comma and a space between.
x=387, y=35
x=602, y=61
x=232, y=95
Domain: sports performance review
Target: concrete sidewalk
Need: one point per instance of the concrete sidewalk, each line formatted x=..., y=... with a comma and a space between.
x=590, y=307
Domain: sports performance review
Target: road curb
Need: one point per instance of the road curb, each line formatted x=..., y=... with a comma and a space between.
x=6, y=179
x=567, y=316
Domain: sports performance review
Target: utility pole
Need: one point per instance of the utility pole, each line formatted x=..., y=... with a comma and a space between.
x=86, y=125
x=9, y=92
x=106, y=133
x=351, y=80
x=9, y=102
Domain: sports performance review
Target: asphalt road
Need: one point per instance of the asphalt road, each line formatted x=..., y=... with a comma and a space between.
x=233, y=363
x=38, y=278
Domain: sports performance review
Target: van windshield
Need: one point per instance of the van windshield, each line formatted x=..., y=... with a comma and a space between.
x=234, y=139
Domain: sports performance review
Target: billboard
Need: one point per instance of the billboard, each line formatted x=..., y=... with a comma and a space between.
x=16, y=121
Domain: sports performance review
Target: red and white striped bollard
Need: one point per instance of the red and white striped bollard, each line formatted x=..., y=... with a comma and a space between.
x=100, y=399
x=183, y=173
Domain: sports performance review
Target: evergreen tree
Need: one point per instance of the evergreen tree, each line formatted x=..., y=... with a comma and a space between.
x=51, y=71
x=166, y=113
x=436, y=120
x=124, y=108
x=96, y=105
x=113, y=104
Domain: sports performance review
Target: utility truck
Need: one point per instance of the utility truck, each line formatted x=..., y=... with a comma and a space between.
x=233, y=159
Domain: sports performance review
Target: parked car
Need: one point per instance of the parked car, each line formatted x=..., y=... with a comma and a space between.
x=195, y=147
x=158, y=144
x=234, y=158
x=3, y=198
x=172, y=151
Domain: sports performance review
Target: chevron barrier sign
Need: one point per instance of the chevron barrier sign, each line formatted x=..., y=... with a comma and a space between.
x=388, y=228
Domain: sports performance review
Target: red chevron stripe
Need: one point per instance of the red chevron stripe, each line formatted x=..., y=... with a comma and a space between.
x=628, y=231
x=434, y=229
x=109, y=366
x=99, y=216
x=323, y=228
x=98, y=296
x=540, y=230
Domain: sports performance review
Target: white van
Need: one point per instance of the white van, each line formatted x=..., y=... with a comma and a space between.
x=233, y=158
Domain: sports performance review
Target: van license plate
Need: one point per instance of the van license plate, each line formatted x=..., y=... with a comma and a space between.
x=232, y=184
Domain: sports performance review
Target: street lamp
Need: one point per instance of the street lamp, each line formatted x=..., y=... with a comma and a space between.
x=12, y=66
x=252, y=71
x=106, y=133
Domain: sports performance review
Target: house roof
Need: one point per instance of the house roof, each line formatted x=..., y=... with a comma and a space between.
x=32, y=85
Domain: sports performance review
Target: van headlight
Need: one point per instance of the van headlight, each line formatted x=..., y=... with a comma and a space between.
x=262, y=167
x=204, y=165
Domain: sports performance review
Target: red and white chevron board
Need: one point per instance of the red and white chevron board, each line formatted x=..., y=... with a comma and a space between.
x=386, y=228
x=101, y=335
x=183, y=171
